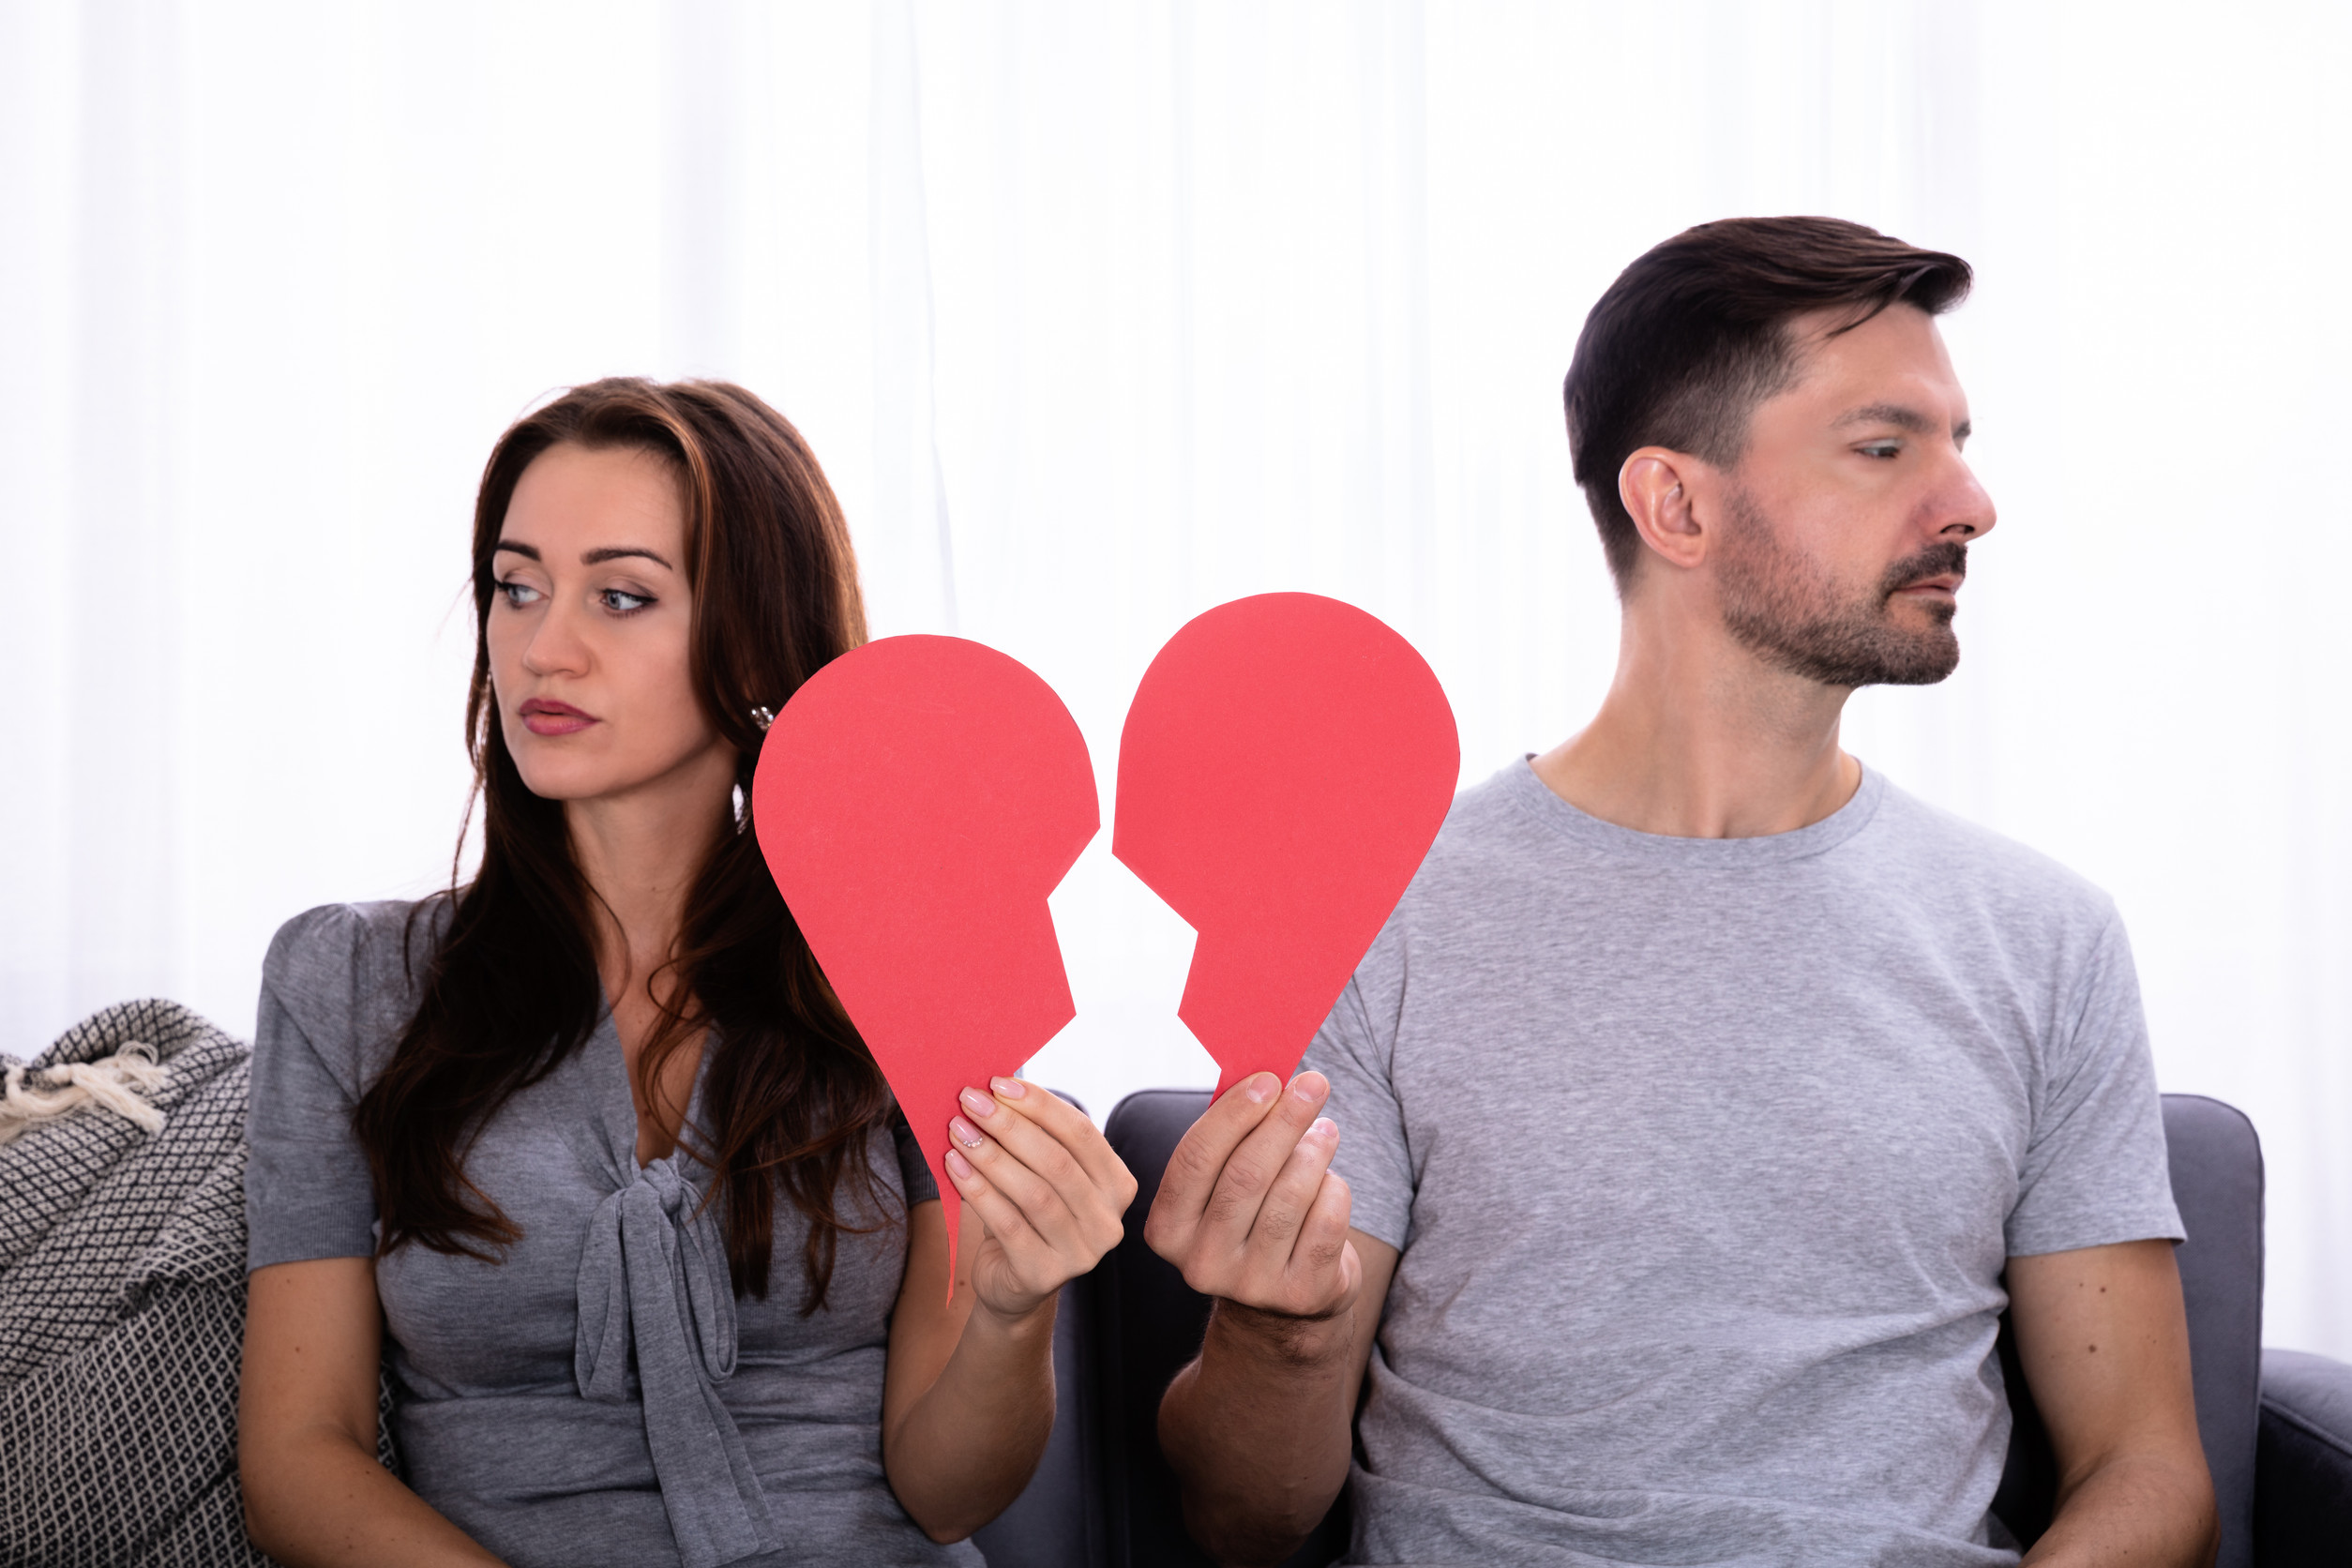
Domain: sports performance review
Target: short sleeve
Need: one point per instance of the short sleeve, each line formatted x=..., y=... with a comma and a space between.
x=914, y=1171
x=307, y=1189
x=1355, y=1049
x=2095, y=1168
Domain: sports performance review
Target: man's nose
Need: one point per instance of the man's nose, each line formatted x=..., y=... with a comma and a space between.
x=1960, y=509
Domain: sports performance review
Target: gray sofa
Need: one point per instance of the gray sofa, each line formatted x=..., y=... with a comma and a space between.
x=122, y=1299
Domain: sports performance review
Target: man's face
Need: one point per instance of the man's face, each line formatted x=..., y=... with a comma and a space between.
x=1848, y=516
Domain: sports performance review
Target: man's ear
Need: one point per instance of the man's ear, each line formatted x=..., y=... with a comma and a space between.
x=1656, y=485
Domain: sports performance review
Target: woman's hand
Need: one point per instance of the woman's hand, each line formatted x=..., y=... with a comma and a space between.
x=968, y=1403
x=1045, y=1186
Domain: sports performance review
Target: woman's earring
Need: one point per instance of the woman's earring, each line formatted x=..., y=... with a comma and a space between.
x=763, y=718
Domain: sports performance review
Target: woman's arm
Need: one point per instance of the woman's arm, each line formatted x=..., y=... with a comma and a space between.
x=968, y=1401
x=307, y=1428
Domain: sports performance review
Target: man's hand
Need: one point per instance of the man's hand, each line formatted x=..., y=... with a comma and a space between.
x=1249, y=1210
x=1260, y=1427
x=2105, y=1345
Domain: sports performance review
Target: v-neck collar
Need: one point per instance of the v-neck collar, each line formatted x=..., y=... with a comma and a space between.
x=615, y=1106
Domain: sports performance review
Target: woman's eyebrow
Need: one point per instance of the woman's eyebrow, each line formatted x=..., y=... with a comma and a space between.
x=595, y=557
x=592, y=558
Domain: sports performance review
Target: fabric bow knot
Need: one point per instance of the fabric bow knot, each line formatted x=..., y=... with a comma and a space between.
x=653, y=1278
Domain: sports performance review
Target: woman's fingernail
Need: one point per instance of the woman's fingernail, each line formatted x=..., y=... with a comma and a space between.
x=977, y=1103
x=1011, y=1088
x=958, y=1167
x=963, y=1132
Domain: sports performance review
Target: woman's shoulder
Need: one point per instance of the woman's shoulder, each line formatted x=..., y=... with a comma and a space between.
x=348, y=975
x=384, y=942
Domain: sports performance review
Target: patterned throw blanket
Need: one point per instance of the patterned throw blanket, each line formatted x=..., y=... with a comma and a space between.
x=122, y=1298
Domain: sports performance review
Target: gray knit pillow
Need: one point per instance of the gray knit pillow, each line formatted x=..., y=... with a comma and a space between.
x=122, y=1300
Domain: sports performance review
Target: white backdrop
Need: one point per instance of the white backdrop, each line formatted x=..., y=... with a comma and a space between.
x=1102, y=313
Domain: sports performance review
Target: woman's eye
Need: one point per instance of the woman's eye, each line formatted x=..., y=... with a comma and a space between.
x=518, y=594
x=622, y=601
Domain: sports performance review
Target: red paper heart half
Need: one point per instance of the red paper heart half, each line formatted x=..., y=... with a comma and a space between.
x=917, y=801
x=1284, y=766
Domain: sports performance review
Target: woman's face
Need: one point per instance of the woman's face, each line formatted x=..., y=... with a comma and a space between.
x=589, y=629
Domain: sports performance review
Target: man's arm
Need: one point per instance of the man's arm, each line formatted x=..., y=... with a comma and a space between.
x=1257, y=1428
x=2104, y=1344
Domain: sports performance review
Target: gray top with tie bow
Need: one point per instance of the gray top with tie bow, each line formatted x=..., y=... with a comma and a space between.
x=600, y=1395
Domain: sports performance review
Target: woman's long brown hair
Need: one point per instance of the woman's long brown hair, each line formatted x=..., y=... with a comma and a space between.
x=512, y=991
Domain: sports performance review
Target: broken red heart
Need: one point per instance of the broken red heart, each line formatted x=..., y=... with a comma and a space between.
x=1284, y=766
x=917, y=801
x=1286, y=763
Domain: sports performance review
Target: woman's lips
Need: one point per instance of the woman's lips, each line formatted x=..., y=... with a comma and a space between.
x=544, y=716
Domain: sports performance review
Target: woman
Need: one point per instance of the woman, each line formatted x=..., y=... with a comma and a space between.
x=588, y=1137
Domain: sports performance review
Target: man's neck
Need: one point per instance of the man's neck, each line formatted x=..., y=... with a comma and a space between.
x=1698, y=738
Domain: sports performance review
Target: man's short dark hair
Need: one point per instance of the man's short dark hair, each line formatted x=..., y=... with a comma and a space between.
x=1694, y=335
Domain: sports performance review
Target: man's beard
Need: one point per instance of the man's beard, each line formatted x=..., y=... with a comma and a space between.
x=1787, y=608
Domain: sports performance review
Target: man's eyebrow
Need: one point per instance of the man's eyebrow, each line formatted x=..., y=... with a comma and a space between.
x=1902, y=418
x=616, y=553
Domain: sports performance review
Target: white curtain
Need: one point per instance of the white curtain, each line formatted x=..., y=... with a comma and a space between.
x=1102, y=313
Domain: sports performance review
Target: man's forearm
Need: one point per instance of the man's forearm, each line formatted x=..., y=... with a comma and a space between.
x=2135, y=1510
x=1256, y=1428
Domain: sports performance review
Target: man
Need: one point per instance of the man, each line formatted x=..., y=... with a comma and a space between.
x=1707, y=1098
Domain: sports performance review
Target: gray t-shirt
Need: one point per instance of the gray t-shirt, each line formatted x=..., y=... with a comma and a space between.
x=601, y=1396
x=1705, y=1156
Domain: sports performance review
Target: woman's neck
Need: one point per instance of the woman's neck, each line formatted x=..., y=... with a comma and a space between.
x=640, y=852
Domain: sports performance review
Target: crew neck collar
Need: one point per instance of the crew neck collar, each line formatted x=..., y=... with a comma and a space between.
x=1536, y=799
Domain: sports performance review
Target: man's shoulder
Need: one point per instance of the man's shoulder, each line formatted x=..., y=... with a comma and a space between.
x=1510, y=858
x=1954, y=858
x=1488, y=824
x=1457, y=893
